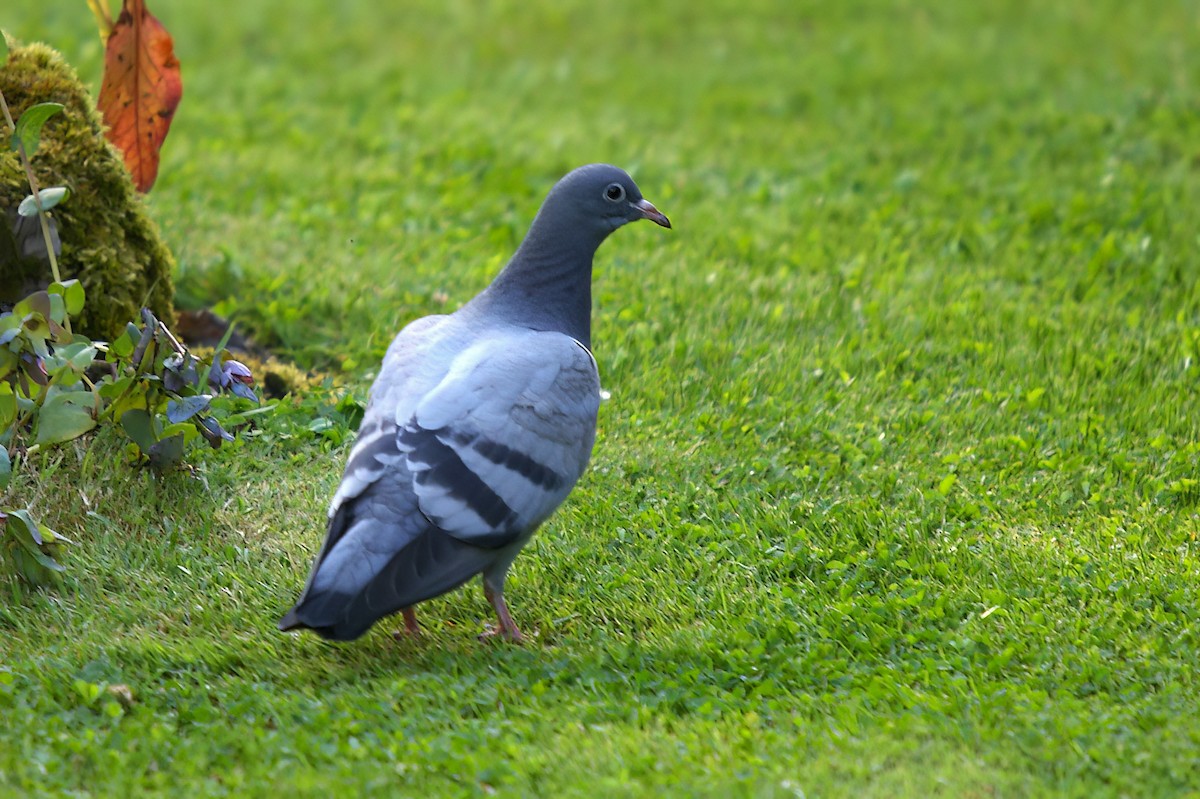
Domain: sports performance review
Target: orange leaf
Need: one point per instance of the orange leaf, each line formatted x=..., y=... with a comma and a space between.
x=141, y=89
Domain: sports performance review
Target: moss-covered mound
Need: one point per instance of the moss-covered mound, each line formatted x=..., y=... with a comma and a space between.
x=108, y=241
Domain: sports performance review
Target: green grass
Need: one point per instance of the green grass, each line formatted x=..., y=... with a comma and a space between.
x=897, y=491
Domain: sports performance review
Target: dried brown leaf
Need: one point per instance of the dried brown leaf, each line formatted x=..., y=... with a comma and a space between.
x=141, y=89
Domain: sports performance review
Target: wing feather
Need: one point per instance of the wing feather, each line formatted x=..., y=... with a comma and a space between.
x=496, y=446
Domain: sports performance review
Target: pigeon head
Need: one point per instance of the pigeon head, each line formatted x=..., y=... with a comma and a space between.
x=548, y=283
x=602, y=197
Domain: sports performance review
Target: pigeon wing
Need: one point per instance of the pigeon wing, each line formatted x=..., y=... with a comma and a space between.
x=500, y=442
x=479, y=462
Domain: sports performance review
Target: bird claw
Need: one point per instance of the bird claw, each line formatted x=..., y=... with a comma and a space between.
x=514, y=636
x=411, y=628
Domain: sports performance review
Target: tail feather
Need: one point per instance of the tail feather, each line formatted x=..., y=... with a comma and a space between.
x=431, y=565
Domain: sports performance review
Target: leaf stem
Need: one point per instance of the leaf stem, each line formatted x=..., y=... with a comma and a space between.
x=37, y=200
x=37, y=197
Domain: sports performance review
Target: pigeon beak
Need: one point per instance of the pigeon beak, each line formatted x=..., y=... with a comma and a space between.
x=653, y=214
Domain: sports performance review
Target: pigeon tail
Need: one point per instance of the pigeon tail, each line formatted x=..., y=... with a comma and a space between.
x=432, y=565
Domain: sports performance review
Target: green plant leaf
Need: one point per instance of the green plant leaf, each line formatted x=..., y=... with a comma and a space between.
x=26, y=528
x=49, y=197
x=29, y=127
x=8, y=404
x=121, y=346
x=34, y=548
x=167, y=453
x=53, y=536
x=125, y=395
x=8, y=360
x=79, y=354
x=76, y=358
x=186, y=429
x=48, y=562
x=58, y=313
x=72, y=293
x=5, y=468
x=37, y=302
x=139, y=427
x=65, y=415
x=37, y=333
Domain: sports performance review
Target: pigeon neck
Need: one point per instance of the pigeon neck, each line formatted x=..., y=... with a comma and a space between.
x=548, y=283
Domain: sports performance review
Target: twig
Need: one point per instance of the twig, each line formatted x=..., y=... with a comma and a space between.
x=180, y=350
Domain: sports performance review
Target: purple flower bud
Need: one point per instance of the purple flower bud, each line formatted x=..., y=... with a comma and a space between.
x=237, y=371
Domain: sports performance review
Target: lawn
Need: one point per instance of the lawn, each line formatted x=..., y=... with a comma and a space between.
x=897, y=492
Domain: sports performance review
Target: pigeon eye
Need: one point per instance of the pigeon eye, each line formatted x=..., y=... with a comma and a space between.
x=615, y=192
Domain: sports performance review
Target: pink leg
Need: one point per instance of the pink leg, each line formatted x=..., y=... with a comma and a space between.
x=411, y=627
x=508, y=627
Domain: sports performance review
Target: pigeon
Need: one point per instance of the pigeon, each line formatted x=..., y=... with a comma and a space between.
x=477, y=427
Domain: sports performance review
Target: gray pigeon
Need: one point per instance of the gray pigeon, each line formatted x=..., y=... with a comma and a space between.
x=479, y=424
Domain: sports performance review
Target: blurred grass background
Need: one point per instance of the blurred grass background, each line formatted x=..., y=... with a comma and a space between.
x=897, y=491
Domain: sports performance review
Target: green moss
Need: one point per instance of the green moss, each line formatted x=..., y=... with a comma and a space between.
x=108, y=241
